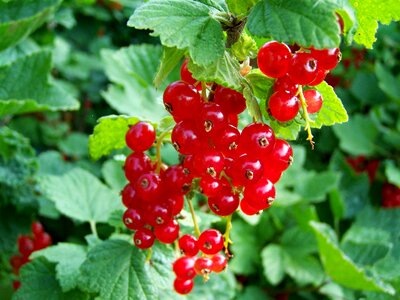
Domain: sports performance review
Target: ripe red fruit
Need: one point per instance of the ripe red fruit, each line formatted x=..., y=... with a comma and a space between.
x=212, y=118
x=313, y=100
x=390, y=195
x=25, y=245
x=203, y=265
x=182, y=286
x=186, y=75
x=281, y=156
x=219, y=263
x=129, y=196
x=261, y=194
x=167, y=233
x=246, y=169
x=148, y=186
x=227, y=141
x=176, y=202
x=133, y=219
x=321, y=74
x=176, y=179
x=159, y=214
x=37, y=228
x=185, y=137
x=327, y=58
x=188, y=245
x=16, y=284
x=224, y=204
x=273, y=59
x=140, y=137
x=231, y=101
x=284, y=84
x=135, y=165
x=211, y=241
x=42, y=241
x=257, y=139
x=212, y=163
x=303, y=68
x=16, y=262
x=183, y=267
x=212, y=186
x=246, y=207
x=283, y=106
x=181, y=100
x=144, y=238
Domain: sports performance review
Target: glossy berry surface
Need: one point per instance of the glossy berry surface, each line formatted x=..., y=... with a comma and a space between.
x=25, y=245
x=212, y=118
x=261, y=194
x=219, y=263
x=257, y=139
x=328, y=59
x=183, y=286
x=231, y=101
x=167, y=233
x=283, y=106
x=203, y=265
x=42, y=241
x=129, y=196
x=186, y=75
x=303, y=68
x=313, y=100
x=246, y=169
x=185, y=137
x=37, y=228
x=135, y=165
x=211, y=163
x=144, y=238
x=183, y=267
x=224, y=204
x=133, y=219
x=285, y=84
x=210, y=241
x=273, y=59
x=148, y=186
x=188, y=245
x=140, y=137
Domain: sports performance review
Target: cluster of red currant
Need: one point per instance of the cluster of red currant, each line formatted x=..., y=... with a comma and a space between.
x=210, y=243
x=307, y=67
x=28, y=244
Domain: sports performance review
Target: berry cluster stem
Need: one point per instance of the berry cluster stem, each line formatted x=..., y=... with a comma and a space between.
x=306, y=117
x=158, y=149
x=93, y=228
x=192, y=212
x=227, y=239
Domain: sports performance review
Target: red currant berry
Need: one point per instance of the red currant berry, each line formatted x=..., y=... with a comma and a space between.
x=261, y=194
x=272, y=172
x=203, y=265
x=42, y=241
x=148, y=186
x=212, y=118
x=16, y=284
x=284, y=84
x=25, y=245
x=182, y=286
x=37, y=228
x=212, y=186
x=227, y=141
x=176, y=180
x=211, y=241
x=168, y=232
x=183, y=267
x=159, y=214
x=246, y=207
x=144, y=238
x=140, y=137
x=130, y=198
x=246, y=169
x=257, y=139
x=133, y=219
x=136, y=164
x=185, y=138
x=176, y=202
x=224, y=203
x=219, y=263
x=313, y=100
x=181, y=100
x=233, y=120
x=327, y=58
x=188, y=245
x=321, y=74
x=186, y=75
x=282, y=155
x=283, y=106
x=16, y=262
x=231, y=101
x=212, y=163
x=273, y=59
x=303, y=68
x=390, y=195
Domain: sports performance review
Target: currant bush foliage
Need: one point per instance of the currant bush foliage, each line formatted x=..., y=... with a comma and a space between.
x=325, y=236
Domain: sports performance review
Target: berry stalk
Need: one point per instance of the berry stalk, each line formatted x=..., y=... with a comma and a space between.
x=305, y=116
x=192, y=212
x=227, y=240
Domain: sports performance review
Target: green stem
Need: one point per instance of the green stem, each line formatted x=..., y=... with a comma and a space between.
x=158, y=150
x=149, y=253
x=93, y=228
x=306, y=117
x=195, y=224
x=227, y=239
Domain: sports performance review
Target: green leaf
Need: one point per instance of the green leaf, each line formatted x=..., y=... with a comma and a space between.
x=184, y=24
x=332, y=111
x=368, y=13
x=69, y=258
x=260, y=84
x=220, y=286
x=272, y=258
x=303, y=269
x=287, y=131
x=52, y=163
x=20, y=18
x=300, y=241
x=387, y=82
x=109, y=134
x=245, y=47
x=306, y=23
x=12, y=224
x=81, y=196
x=252, y=104
x=38, y=282
x=26, y=88
x=241, y=7
x=340, y=267
x=117, y=270
x=113, y=174
x=171, y=57
x=358, y=136
x=392, y=173
x=75, y=145
x=224, y=71
x=132, y=70
x=252, y=292
x=315, y=186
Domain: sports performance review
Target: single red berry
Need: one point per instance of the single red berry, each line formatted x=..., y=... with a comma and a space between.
x=140, y=137
x=25, y=245
x=224, y=204
x=130, y=198
x=327, y=58
x=182, y=286
x=246, y=207
x=181, y=100
x=211, y=241
x=219, y=263
x=283, y=106
x=313, y=100
x=148, y=186
x=273, y=59
x=176, y=202
x=167, y=233
x=186, y=75
x=227, y=141
x=16, y=262
x=281, y=156
x=133, y=218
x=390, y=195
x=246, y=169
x=16, y=284
x=183, y=267
x=42, y=241
x=37, y=228
x=185, y=137
x=189, y=166
x=212, y=186
x=284, y=84
x=303, y=68
x=136, y=164
x=231, y=101
x=144, y=238
x=261, y=194
x=212, y=163
x=321, y=74
x=272, y=172
x=233, y=120
x=188, y=245
x=212, y=118
x=159, y=214
x=257, y=139
x=203, y=265
x=176, y=179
